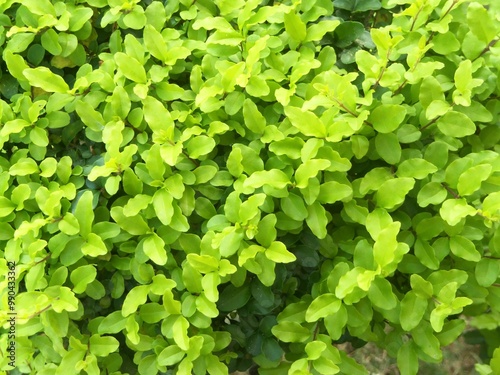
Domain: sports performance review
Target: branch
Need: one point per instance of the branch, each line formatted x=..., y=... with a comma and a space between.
x=455, y=195
x=487, y=48
x=429, y=124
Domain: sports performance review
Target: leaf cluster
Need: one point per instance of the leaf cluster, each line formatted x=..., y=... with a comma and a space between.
x=193, y=187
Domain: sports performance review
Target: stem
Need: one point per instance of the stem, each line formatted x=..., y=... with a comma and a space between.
x=353, y=114
x=195, y=162
x=491, y=257
x=487, y=48
x=432, y=34
x=43, y=259
x=415, y=19
x=382, y=71
x=39, y=312
x=401, y=86
x=455, y=195
x=316, y=331
x=429, y=124
x=315, y=334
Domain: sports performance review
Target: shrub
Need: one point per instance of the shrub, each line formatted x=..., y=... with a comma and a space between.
x=195, y=186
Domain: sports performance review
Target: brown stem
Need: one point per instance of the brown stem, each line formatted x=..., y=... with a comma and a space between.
x=487, y=48
x=44, y=259
x=354, y=114
x=375, y=85
x=195, y=162
x=39, y=312
x=455, y=195
x=415, y=19
x=429, y=124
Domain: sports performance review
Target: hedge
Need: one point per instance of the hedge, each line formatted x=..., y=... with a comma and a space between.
x=197, y=186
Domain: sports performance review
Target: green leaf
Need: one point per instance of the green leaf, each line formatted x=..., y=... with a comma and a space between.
x=135, y=298
x=6, y=207
x=66, y=300
x=317, y=220
x=113, y=323
x=13, y=127
x=215, y=366
x=163, y=206
x=293, y=206
x=203, y=263
x=69, y=224
x=44, y=78
x=491, y=203
x=456, y=124
x=322, y=306
x=42, y=7
x=277, y=252
x=357, y=5
x=325, y=366
x=347, y=32
x=294, y=26
x=266, y=231
x=23, y=167
x=200, y=145
x=412, y=310
x=134, y=225
x=426, y=254
x=421, y=287
x=290, y=332
x=306, y=122
x=487, y=271
x=157, y=116
x=130, y=67
x=170, y=355
x=470, y=181
x=388, y=147
x=376, y=221
x=416, y=168
x=272, y=349
x=454, y=210
x=179, y=330
x=274, y=178
x=84, y=213
x=427, y=342
x=393, y=192
x=431, y=193
x=94, y=246
x=333, y=191
x=69, y=360
x=318, y=30
x=231, y=243
x=308, y=170
x=154, y=248
x=381, y=294
x=386, y=244
x=254, y=120
x=233, y=298
x=407, y=359
x=103, y=346
x=82, y=276
x=464, y=248
x=387, y=117
x=480, y=23
x=39, y=137
x=155, y=43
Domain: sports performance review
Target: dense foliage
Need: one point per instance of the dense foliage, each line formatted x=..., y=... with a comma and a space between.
x=197, y=186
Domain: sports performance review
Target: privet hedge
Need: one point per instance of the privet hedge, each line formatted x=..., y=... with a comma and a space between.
x=197, y=186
